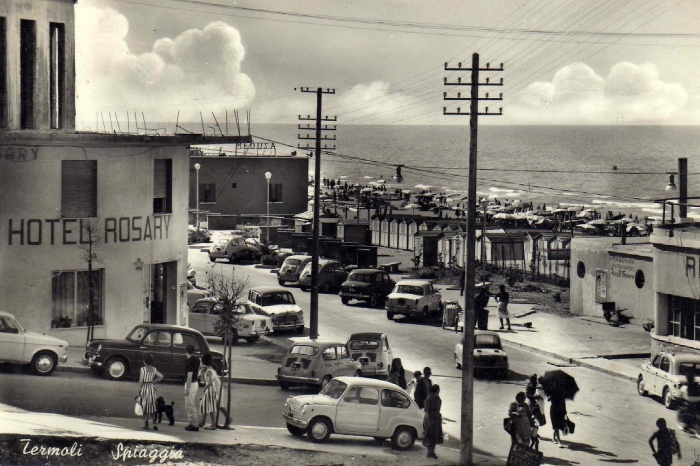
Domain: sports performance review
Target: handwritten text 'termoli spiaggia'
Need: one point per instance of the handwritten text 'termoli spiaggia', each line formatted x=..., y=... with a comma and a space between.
x=121, y=453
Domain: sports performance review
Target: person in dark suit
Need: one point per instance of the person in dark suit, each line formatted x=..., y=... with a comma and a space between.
x=423, y=388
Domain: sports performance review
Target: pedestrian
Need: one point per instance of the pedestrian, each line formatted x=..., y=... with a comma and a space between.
x=411, y=387
x=191, y=387
x=521, y=416
x=481, y=313
x=397, y=374
x=423, y=388
x=557, y=416
x=432, y=421
x=666, y=444
x=210, y=397
x=461, y=282
x=148, y=376
x=534, y=393
x=502, y=299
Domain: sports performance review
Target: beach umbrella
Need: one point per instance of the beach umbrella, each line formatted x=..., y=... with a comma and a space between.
x=406, y=191
x=598, y=222
x=559, y=383
x=413, y=207
x=572, y=209
x=638, y=226
x=503, y=216
x=585, y=226
x=366, y=190
x=584, y=214
x=367, y=177
x=518, y=203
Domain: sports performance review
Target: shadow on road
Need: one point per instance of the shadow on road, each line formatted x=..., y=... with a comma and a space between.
x=586, y=448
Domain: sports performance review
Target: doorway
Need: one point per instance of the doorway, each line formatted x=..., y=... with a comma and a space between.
x=163, y=293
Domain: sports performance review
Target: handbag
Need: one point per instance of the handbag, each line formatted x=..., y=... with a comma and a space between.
x=570, y=425
x=138, y=409
x=508, y=425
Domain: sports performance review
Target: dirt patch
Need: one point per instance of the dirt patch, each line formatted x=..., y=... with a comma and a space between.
x=273, y=358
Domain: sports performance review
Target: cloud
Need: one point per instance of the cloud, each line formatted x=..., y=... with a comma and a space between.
x=630, y=94
x=199, y=70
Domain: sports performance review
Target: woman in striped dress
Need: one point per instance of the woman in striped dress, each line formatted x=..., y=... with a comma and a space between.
x=209, y=403
x=149, y=376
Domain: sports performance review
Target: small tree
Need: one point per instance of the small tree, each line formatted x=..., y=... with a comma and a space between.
x=90, y=241
x=227, y=291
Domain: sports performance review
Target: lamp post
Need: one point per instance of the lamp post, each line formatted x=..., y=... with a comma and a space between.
x=268, y=175
x=196, y=169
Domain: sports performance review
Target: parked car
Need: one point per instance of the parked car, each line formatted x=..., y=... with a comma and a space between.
x=413, y=297
x=232, y=248
x=204, y=315
x=670, y=375
x=488, y=353
x=369, y=285
x=330, y=276
x=373, y=352
x=315, y=363
x=291, y=269
x=279, y=304
x=190, y=275
x=195, y=293
x=356, y=406
x=19, y=346
x=118, y=359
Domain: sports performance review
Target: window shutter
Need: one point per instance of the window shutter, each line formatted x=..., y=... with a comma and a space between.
x=160, y=178
x=79, y=188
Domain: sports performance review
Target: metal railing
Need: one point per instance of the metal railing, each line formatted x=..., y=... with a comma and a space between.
x=675, y=205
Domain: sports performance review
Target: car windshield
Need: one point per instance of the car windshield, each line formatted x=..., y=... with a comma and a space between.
x=689, y=369
x=334, y=389
x=293, y=262
x=410, y=289
x=304, y=350
x=137, y=334
x=361, y=277
x=223, y=242
x=359, y=345
x=487, y=341
x=273, y=299
x=307, y=268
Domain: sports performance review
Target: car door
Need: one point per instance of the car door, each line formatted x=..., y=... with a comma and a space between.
x=434, y=297
x=213, y=318
x=158, y=343
x=198, y=316
x=394, y=404
x=358, y=410
x=12, y=340
x=663, y=375
x=179, y=352
x=345, y=364
x=650, y=376
x=329, y=362
x=387, y=284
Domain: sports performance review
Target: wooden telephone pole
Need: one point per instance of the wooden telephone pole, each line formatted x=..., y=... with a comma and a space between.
x=466, y=449
x=313, y=323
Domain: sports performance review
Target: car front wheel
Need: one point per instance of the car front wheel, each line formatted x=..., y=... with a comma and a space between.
x=252, y=339
x=403, y=438
x=281, y=282
x=373, y=300
x=457, y=364
x=345, y=301
x=212, y=259
x=389, y=315
x=232, y=259
x=669, y=402
x=296, y=431
x=44, y=363
x=116, y=369
x=319, y=430
x=640, y=386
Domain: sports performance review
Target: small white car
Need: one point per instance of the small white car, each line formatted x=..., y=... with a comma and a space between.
x=19, y=346
x=195, y=293
x=356, y=406
x=372, y=350
x=204, y=315
x=279, y=304
x=291, y=269
x=232, y=248
x=315, y=363
x=488, y=353
x=668, y=375
x=413, y=297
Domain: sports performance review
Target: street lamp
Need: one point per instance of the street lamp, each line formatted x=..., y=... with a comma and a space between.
x=196, y=169
x=268, y=175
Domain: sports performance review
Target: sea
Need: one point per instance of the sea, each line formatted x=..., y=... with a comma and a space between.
x=622, y=169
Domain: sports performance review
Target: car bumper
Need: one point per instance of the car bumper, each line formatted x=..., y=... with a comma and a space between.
x=496, y=366
x=354, y=295
x=293, y=326
x=298, y=379
x=402, y=310
x=294, y=421
x=91, y=360
x=288, y=277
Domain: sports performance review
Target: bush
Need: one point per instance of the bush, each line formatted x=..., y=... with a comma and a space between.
x=270, y=259
x=198, y=235
x=425, y=273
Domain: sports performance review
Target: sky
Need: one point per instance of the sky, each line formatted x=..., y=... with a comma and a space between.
x=566, y=62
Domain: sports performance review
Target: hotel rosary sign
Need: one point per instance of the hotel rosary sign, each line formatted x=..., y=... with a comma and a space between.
x=520, y=455
x=19, y=154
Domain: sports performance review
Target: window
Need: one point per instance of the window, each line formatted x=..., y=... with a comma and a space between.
x=27, y=72
x=137, y=334
x=182, y=340
x=393, y=399
x=684, y=317
x=79, y=188
x=304, y=350
x=207, y=193
x=581, y=269
x=657, y=361
x=639, y=279
x=665, y=365
x=216, y=309
x=342, y=352
x=3, y=73
x=329, y=353
x=158, y=339
x=70, y=297
x=7, y=325
x=56, y=73
x=275, y=192
x=162, y=186
x=362, y=395
x=199, y=309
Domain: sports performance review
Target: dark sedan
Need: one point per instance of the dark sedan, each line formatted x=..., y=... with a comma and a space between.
x=118, y=359
x=369, y=285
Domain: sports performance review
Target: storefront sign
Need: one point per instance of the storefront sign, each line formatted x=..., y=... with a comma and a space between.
x=601, y=286
x=36, y=231
x=622, y=267
x=19, y=153
x=520, y=455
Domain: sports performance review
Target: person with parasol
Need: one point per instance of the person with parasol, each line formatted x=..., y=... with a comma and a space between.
x=559, y=386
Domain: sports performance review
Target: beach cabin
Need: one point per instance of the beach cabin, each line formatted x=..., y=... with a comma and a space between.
x=427, y=247
x=448, y=245
x=375, y=228
x=394, y=232
x=329, y=226
x=530, y=246
x=384, y=232
x=505, y=249
x=411, y=229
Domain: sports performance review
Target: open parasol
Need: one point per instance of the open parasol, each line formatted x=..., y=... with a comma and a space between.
x=559, y=383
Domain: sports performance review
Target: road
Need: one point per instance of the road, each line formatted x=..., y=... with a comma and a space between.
x=613, y=423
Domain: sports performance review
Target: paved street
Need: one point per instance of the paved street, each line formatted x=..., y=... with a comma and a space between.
x=613, y=422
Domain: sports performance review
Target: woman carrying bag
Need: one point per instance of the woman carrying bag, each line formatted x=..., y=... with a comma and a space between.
x=209, y=403
x=432, y=421
x=148, y=376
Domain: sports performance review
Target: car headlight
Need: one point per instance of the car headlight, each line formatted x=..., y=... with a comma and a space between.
x=303, y=409
x=99, y=347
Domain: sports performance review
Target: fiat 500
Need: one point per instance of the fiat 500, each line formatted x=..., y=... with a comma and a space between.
x=19, y=346
x=369, y=285
x=669, y=375
x=373, y=352
x=356, y=406
x=315, y=362
x=488, y=353
x=291, y=269
x=330, y=276
x=413, y=297
x=204, y=316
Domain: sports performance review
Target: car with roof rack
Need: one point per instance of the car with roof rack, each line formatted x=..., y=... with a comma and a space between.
x=315, y=363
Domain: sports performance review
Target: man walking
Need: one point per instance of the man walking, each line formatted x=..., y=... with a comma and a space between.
x=191, y=386
x=423, y=388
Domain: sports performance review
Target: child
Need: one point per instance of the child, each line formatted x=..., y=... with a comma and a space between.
x=535, y=438
x=411, y=387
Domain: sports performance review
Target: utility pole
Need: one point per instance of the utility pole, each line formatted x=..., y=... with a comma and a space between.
x=466, y=448
x=313, y=324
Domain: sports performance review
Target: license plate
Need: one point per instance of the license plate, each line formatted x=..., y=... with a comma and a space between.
x=296, y=366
